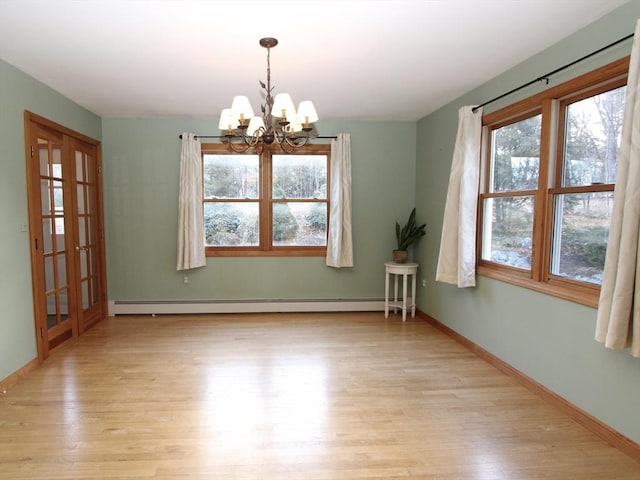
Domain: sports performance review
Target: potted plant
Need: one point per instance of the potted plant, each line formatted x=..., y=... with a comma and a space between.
x=406, y=236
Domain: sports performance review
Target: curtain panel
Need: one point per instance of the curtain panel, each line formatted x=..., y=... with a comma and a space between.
x=457, y=256
x=339, y=241
x=618, y=320
x=191, y=250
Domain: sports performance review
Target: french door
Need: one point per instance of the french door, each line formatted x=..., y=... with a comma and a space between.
x=66, y=231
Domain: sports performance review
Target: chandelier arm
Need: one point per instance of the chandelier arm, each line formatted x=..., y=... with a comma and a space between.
x=238, y=147
x=290, y=142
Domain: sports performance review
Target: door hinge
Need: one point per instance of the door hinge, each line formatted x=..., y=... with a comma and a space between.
x=41, y=333
x=36, y=240
x=33, y=151
x=99, y=169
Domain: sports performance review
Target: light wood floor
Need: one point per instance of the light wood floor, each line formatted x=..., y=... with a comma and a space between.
x=285, y=397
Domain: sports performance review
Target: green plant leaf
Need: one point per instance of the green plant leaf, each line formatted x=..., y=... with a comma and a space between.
x=408, y=234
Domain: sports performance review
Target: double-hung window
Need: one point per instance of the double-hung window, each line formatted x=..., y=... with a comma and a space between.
x=270, y=204
x=547, y=185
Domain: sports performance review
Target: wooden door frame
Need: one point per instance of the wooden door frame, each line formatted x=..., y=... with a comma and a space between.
x=34, y=208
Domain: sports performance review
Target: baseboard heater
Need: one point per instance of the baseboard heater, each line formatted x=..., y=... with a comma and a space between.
x=128, y=307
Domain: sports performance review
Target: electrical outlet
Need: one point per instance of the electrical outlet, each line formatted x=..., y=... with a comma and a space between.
x=185, y=280
x=424, y=283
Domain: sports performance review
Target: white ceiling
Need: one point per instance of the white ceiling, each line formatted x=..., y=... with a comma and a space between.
x=356, y=59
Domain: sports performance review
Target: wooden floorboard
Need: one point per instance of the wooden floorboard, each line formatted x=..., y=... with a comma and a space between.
x=286, y=397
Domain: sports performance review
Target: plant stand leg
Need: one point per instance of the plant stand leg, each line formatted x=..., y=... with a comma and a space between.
x=404, y=297
x=395, y=293
x=413, y=297
x=386, y=295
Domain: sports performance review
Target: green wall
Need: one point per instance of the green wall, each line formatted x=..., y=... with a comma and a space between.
x=548, y=339
x=141, y=172
x=19, y=92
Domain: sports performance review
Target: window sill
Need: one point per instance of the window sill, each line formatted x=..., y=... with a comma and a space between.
x=573, y=291
x=276, y=252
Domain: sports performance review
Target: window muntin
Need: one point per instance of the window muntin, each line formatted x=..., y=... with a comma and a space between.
x=569, y=190
x=267, y=204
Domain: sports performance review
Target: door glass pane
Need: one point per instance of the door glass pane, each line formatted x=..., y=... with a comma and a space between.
x=299, y=224
x=43, y=154
x=515, y=155
x=79, y=166
x=83, y=263
x=56, y=171
x=56, y=160
x=60, y=237
x=80, y=193
x=581, y=232
x=58, y=199
x=91, y=264
x=62, y=269
x=593, y=130
x=508, y=230
x=45, y=199
x=231, y=224
x=47, y=235
x=85, y=294
x=90, y=223
x=49, y=274
x=82, y=233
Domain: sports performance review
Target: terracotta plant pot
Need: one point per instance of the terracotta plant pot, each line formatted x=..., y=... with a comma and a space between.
x=400, y=256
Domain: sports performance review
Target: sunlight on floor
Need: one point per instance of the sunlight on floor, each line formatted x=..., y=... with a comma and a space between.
x=282, y=404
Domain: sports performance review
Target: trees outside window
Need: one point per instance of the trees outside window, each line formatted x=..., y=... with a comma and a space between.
x=274, y=203
x=547, y=188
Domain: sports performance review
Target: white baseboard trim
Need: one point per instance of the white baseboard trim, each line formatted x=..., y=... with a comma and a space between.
x=243, y=306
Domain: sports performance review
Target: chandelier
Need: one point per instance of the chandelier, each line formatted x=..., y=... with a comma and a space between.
x=280, y=121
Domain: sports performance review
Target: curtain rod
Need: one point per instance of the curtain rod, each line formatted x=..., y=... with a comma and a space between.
x=546, y=76
x=223, y=136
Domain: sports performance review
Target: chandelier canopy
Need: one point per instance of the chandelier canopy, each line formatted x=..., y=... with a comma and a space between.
x=280, y=121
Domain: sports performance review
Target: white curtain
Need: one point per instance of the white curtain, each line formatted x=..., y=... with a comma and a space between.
x=618, y=321
x=339, y=242
x=191, y=252
x=457, y=257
